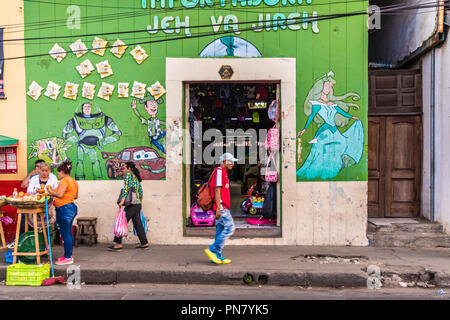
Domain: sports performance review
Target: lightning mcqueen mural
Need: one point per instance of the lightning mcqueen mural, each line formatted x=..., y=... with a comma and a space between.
x=147, y=160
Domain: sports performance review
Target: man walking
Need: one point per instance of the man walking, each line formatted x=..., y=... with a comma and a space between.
x=220, y=192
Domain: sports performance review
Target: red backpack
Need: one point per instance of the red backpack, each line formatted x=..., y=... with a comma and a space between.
x=204, y=199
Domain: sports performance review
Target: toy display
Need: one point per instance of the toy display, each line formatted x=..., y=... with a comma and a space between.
x=254, y=201
x=199, y=218
x=261, y=221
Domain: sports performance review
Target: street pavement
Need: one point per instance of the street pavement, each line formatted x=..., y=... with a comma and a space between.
x=296, y=266
x=200, y=293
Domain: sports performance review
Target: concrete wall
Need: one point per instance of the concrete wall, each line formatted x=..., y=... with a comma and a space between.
x=442, y=132
x=313, y=213
x=13, y=117
x=400, y=33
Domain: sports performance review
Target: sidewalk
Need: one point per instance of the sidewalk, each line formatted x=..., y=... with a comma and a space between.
x=272, y=265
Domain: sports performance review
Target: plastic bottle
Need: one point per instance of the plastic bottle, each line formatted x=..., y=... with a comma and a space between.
x=15, y=192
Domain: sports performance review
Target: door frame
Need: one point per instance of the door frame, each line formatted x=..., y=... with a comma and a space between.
x=188, y=143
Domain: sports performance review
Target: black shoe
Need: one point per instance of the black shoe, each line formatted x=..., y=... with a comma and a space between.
x=111, y=248
x=142, y=246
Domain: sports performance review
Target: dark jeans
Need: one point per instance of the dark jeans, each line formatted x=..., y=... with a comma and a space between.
x=134, y=212
x=64, y=218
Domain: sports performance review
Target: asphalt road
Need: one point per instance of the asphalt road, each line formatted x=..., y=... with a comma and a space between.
x=210, y=292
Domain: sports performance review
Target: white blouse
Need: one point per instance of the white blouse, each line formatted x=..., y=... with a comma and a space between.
x=35, y=185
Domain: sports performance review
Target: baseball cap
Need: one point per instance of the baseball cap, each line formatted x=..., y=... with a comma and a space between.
x=228, y=157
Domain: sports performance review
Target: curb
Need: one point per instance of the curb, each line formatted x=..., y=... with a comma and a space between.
x=303, y=279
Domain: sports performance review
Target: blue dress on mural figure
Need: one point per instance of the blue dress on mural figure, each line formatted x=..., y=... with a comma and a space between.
x=330, y=146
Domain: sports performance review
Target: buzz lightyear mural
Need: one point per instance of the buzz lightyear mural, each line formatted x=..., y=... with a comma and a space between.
x=91, y=130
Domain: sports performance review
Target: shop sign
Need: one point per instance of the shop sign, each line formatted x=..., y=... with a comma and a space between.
x=226, y=72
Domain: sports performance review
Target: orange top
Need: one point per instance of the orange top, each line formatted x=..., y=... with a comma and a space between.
x=70, y=194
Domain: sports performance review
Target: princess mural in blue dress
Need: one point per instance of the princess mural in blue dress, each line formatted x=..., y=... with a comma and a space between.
x=331, y=149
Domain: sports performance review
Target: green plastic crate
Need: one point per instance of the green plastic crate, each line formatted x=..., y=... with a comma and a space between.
x=20, y=274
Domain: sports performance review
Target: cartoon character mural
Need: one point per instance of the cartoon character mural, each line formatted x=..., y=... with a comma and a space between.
x=331, y=150
x=52, y=150
x=155, y=132
x=150, y=164
x=90, y=129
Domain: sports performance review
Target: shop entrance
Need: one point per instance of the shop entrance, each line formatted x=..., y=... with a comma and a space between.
x=233, y=117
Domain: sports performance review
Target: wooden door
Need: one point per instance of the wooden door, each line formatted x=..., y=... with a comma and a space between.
x=395, y=163
x=403, y=166
x=376, y=166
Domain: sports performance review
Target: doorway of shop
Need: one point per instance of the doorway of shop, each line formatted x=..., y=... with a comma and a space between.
x=233, y=117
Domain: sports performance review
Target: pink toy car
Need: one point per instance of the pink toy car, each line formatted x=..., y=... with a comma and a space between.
x=199, y=218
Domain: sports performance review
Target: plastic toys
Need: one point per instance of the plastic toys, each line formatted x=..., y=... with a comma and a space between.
x=199, y=218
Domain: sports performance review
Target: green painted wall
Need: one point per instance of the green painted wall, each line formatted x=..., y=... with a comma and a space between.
x=340, y=45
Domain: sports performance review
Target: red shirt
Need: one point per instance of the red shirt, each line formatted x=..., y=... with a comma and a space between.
x=220, y=179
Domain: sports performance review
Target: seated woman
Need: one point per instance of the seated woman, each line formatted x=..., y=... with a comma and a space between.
x=43, y=179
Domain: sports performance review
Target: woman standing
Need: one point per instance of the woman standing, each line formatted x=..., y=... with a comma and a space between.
x=132, y=181
x=66, y=210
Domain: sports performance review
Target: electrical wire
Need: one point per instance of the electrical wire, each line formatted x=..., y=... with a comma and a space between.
x=308, y=20
x=199, y=26
x=84, y=20
x=183, y=38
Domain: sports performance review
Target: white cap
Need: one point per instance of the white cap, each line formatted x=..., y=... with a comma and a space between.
x=228, y=157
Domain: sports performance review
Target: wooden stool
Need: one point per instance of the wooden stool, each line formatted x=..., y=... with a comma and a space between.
x=86, y=230
x=2, y=234
x=35, y=213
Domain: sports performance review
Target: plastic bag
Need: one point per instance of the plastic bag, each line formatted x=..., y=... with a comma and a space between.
x=120, y=226
x=144, y=224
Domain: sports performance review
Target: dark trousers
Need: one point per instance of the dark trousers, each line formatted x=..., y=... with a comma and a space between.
x=134, y=212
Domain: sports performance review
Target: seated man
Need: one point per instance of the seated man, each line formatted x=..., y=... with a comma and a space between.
x=35, y=172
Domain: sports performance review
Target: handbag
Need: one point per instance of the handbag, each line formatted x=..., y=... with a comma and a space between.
x=130, y=199
x=272, y=111
x=144, y=224
x=120, y=226
x=271, y=175
x=273, y=139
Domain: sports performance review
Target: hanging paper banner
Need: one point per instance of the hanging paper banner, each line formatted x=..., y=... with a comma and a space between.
x=2, y=89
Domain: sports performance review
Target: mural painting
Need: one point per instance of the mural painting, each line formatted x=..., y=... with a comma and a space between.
x=52, y=150
x=230, y=46
x=155, y=133
x=332, y=150
x=116, y=86
x=90, y=130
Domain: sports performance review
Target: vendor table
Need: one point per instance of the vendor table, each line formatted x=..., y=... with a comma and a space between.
x=35, y=212
x=2, y=234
